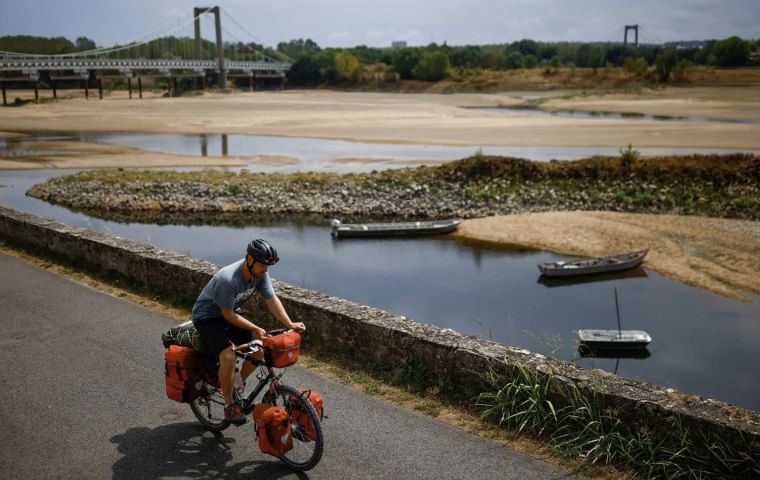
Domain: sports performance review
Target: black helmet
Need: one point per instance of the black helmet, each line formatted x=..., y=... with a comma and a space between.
x=263, y=252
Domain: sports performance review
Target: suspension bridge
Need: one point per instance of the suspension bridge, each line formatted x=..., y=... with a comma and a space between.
x=163, y=53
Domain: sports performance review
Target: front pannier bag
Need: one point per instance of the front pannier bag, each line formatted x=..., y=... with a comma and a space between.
x=302, y=419
x=184, y=377
x=273, y=428
x=282, y=349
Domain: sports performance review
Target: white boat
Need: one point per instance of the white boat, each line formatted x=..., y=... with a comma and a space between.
x=393, y=229
x=614, y=339
x=599, y=339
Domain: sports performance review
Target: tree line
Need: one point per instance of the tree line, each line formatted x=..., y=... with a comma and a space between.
x=313, y=65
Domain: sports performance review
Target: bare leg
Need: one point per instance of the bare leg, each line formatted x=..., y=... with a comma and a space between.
x=226, y=372
x=248, y=367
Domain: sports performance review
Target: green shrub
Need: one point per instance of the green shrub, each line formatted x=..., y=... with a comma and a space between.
x=628, y=156
x=234, y=188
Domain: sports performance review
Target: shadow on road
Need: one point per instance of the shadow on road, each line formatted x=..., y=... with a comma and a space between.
x=187, y=450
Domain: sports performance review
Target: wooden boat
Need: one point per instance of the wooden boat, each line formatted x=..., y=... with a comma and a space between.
x=552, y=282
x=612, y=263
x=393, y=229
x=614, y=339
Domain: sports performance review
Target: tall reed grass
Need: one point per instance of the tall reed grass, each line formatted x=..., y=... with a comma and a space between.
x=581, y=424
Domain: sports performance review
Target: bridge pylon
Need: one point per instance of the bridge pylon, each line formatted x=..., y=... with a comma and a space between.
x=635, y=29
x=197, y=11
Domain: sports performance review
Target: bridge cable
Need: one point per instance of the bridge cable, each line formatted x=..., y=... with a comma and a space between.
x=254, y=37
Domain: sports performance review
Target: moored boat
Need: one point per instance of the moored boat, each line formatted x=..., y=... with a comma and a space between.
x=391, y=229
x=611, y=263
x=614, y=339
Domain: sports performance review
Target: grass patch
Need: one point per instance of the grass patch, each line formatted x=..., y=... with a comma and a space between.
x=580, y=425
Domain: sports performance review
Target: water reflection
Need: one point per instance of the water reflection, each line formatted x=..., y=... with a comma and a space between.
x=320, y=154
x=638, y=353
x=521, y=111
x=597, y=277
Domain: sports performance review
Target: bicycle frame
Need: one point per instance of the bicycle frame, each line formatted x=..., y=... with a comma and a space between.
x=269, y=380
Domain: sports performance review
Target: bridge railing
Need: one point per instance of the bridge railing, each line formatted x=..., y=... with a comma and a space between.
x=10, y=64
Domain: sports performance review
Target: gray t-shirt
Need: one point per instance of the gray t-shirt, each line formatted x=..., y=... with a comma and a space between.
x=228, y=289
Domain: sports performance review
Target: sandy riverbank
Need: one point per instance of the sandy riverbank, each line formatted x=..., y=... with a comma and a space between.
x=414, y=118
x=720, y=255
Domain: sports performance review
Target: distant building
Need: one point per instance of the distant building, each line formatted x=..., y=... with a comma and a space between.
x=399, y=44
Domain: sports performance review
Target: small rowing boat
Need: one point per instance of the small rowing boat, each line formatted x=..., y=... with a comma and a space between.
x=619, y=339
x=612, y=263
x=393, y=229
x=614, y=339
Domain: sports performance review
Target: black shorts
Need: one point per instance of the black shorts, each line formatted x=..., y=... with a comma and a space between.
x=218, y=333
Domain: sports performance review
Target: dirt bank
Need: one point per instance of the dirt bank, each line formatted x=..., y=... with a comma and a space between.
x=719, y=255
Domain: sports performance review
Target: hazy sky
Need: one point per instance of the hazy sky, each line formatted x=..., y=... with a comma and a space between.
x=343, y=23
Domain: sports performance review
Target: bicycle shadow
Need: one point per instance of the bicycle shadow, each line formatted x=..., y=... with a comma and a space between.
x=187, y=450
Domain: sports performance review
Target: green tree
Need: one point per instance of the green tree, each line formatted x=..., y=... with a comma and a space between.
x=432, y=67
x=346, y=66
x=664, y=63
x=514, y=61
x=326, y=61
x=597, y=60
x=682, y=70
x=527, y=47
x=405, y=61
x=468, y=56
x=530, y=61
x=732, y=52
x=636, y=66
x=583, y=55
x=494, y=60
x=297, y=48
x=84, y=44
x=304, y=71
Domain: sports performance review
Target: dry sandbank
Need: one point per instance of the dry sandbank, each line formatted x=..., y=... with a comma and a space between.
x=404, y=118
x=720, y=255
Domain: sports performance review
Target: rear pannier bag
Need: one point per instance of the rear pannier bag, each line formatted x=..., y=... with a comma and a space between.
x=282, y=350
x=273, y=428
x=183, y=372
x=300, y=418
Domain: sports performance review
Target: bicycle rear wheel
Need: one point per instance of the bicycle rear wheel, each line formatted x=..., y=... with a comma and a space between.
x=307, y=445
x=209, y=408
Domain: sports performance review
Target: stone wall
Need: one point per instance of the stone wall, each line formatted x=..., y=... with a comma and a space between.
x=379, y=337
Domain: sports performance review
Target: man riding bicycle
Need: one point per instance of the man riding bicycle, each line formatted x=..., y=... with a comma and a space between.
x=220, y=327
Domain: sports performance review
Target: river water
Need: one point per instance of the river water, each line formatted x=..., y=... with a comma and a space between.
x=702, y=343
x=319, y=154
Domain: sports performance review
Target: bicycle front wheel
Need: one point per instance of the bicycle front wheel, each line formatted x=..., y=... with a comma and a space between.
x=308, y=440
x=209, y=408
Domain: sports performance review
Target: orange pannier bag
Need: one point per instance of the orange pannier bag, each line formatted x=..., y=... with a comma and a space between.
x=273, y=428
x=183, y=372
x=302, y=419
x=282, y=349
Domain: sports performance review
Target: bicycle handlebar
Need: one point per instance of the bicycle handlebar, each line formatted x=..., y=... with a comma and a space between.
x=250, y=345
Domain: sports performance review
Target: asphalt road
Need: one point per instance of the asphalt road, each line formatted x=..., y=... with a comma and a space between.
x=83, y=397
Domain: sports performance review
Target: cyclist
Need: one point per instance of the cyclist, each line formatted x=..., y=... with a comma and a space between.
x=220, y=327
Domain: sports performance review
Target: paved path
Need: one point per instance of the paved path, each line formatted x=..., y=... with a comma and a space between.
x=83, y=397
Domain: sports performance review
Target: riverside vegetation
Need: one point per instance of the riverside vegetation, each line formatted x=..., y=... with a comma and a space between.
x=713, y=185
